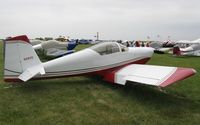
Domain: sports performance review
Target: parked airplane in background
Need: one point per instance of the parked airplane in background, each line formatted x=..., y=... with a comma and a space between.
x=184, y=42
x=111, y=60
x=35, y=41
x=85, y=41
x=162, y=47
x=187, y=48
x=55, y=48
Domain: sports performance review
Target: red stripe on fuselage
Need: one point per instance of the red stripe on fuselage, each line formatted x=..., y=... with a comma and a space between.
x=108, y=74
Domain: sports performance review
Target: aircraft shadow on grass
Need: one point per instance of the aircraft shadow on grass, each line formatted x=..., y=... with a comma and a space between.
x=165, y=104
x=142, y=93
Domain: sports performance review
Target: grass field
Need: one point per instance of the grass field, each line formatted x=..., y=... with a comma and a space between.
x=86, y=101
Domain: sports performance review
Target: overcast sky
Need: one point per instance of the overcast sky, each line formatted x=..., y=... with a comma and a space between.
x=113, y=19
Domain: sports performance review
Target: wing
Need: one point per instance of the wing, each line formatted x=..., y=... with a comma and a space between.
x=148, y=74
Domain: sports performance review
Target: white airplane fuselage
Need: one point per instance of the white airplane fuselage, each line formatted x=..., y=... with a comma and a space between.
x=89, y=61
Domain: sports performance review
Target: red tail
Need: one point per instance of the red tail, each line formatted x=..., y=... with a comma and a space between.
x=176, y=51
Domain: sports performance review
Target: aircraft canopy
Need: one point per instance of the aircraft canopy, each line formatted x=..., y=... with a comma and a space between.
x=108, y=48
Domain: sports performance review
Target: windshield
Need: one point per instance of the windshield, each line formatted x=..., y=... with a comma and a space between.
x=106, y=48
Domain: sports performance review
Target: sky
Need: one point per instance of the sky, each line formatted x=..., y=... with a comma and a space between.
x=113, y=19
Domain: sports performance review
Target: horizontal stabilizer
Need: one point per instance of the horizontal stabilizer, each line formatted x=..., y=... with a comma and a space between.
x=31, y=72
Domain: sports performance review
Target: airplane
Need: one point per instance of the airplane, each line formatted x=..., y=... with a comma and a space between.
x=35, y=41
x=112, y=61
x=187, y=48
x=162, y=47
x=188, y=41
x=54, y=48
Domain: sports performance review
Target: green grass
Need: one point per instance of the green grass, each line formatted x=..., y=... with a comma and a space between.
x=85, y=101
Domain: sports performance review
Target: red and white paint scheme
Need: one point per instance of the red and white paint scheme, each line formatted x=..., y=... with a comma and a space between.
x=113, y=61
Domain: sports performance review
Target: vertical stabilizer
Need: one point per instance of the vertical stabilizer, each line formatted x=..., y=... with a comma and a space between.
x=19, y=60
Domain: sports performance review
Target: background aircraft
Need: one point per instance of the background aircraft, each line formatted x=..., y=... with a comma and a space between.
x=85, y=41
x=55, y=48
x=111, y=60
x=187, y=48
x=162, y=47
x=35, y=42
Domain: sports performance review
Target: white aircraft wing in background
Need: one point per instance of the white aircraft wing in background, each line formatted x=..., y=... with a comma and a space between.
x=55, y=48
x=58, y=52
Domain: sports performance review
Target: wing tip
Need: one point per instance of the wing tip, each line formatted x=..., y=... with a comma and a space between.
x=179, y=74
